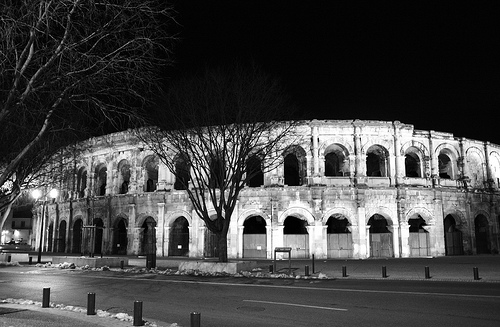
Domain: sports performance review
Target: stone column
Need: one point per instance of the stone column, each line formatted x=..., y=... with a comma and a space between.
x=269, y=242
x=395, y=240
x=161, y=232
x=239, y=252
x=315, y=134
x=404, y=231
x=362, y=244
x=109, y=178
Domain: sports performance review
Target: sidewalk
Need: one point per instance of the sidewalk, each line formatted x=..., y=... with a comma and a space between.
x=458, y=268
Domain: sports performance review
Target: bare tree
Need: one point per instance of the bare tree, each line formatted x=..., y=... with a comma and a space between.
x=70, y=69
x=209, y=129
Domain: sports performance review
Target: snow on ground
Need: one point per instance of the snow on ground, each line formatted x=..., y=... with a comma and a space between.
x=100, y=313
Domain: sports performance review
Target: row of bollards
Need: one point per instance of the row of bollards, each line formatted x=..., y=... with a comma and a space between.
x=475, y=271
x=137, y=321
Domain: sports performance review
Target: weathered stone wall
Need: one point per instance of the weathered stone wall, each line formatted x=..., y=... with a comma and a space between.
x=452, y=179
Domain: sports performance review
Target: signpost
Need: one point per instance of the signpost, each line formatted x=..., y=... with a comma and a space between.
x=284, y=250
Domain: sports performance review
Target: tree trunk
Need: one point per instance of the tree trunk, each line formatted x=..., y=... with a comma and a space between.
x=222, y=246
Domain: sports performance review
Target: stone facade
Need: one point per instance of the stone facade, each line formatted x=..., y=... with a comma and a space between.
x=352, y=189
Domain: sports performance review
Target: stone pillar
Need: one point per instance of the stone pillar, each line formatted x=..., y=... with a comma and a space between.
x=132, y=231
x=315, y=134
x=269, y=242
x=404, y=231
x=240, y=241
x=109, y=178
x=395, y=240
x=434, y=169
x=163, y=177
x=363, y=242
x=161, y=232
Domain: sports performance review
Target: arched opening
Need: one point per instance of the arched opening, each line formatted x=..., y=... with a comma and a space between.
x=294, y=166
x=123, y=176
x=98, y=235
x=120, y=238
x=419, y=237
x=77, y=236
x=445, y=165
x=217, y=177
x=150, y=166
x=475, y=170
x=295, y=236
x=50, y=239
x=452, y=237
x=100, y=182
x=335, y=161
x=81, y=182
x=179, y=238
x=255, y=176
x=377, y=161
x=254, y=237
x=380, y=237
x=482, y=236
x=148, y=237
x=339, y=238
x=181, y=173
x=413, y=166
x=61, y=240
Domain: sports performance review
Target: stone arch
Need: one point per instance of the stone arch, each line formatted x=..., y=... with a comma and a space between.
x=475, y=167
x=123, y=176
x=142, y=217
x=459, y=217
x=325, y=144
x=414, y=162
x=254, y=173
x=494, y=160
x=298, y=212
x=447, y=157
x=422, y=149
x=382, y=211
x=252, y=212
x=178, y=238
x=182, y=171
x=380, y=235
x=425, y=213
x=336, y=160
x=77, y=233
x=339, y=210
x=120, y=234
x=482, y=232
x=150, y=165
x=294, y=165
x=377, y=161
x=147, y=235
x=61, y=237
x=100, y=178
x=171, y=217
x=453, y=235
x=81, y=181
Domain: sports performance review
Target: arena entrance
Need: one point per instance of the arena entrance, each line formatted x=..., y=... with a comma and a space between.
x=148, y=237
x=452, y=237
x=380, y=237
x=211, y=249
x=339, y=238
x=61, y=240
x=120, y=238
x=254, y=238
x=77, y=236
x=179, y=238
x=419, y=238
x=481, y=231
x=50, y=238
x=295, y=236
x=98, y=235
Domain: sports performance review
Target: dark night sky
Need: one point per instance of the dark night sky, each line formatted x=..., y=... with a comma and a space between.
x=435, y=65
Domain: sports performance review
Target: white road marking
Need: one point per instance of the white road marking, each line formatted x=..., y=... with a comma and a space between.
x=296, y=305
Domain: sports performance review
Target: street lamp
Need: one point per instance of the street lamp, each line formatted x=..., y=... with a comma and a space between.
x=37, y=194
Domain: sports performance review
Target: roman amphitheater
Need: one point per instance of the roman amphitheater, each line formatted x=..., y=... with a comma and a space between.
x=353, y=189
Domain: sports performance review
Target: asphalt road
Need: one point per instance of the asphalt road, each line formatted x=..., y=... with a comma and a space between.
x=266, y=302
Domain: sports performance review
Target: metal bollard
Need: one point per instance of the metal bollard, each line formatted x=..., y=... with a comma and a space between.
x=121, y=264
x=306, y=270
x=384, y=272
x=90, y=304
x=138, y=313
x=344, y=271
x=271, y=270
x=195, y=319
x=476, y=273
x=46, y=297
x=427, y=273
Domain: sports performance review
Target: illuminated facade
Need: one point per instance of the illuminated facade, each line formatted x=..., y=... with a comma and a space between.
x=352, y=189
